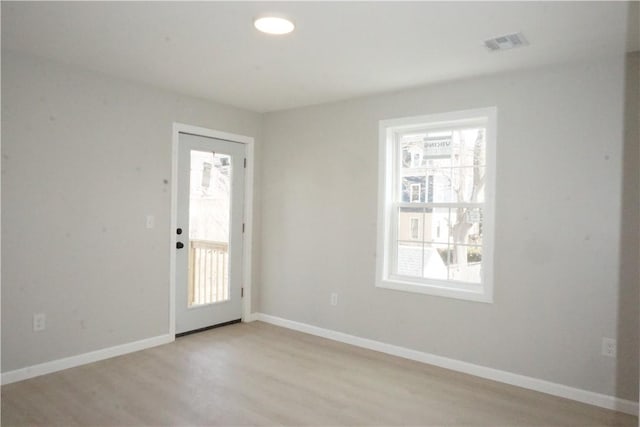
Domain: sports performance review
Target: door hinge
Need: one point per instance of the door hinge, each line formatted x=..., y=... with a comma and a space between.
x=241, y=292
x=245, y=162
x=243, y=227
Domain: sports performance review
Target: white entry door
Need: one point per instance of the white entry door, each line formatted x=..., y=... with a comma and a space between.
x=209, y=232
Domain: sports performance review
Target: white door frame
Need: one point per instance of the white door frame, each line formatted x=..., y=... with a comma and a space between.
x=248, y=215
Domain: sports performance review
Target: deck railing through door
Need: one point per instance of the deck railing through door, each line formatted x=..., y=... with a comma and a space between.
x=208, y=272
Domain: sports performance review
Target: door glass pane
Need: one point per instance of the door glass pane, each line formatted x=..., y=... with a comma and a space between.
x=209, y=219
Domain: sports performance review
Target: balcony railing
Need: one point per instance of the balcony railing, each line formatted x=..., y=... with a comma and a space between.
x=208, y=272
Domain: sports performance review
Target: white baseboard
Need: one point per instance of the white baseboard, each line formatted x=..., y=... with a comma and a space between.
x=82, y=359
x=555, y=389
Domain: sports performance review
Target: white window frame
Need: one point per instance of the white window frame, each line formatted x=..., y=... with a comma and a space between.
x=389, y=163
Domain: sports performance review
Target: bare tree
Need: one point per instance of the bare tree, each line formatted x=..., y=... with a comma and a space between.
x=460, y=229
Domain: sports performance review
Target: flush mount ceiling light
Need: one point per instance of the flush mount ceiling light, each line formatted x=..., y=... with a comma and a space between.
x=273, y=25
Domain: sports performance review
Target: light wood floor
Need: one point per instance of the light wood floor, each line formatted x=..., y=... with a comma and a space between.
x=258, y=374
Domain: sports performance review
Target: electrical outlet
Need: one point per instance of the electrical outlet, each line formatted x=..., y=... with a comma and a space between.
x=334, y=298
x=39, y=322
x=609, y=347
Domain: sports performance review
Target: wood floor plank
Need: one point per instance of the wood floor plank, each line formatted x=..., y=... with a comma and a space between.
x=263, y=375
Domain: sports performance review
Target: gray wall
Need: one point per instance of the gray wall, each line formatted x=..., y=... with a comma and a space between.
x=85, y=156
x=629, y=294
x=84, y=159
x=558, y=214
x=630, y=241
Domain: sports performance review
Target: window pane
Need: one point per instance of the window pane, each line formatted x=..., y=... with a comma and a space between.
x=437, y=145
x=466, y=226
x=466, y=263
x=409, y=258
x=418, y=260
x=439, y=189
x=468, y=184
x=436, y=225
x=410, y=224
x=435, y=261
x=439, y=163
x=414, y=188
x=411, y=150
x=468, y=147
x=455, y=185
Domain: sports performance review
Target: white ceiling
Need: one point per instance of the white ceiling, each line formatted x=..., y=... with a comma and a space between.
x=339, y=49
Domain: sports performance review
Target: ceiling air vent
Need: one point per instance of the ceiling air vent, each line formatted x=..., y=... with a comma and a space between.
x=506, y=42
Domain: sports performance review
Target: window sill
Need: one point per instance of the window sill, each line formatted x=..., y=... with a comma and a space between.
x=463, y=291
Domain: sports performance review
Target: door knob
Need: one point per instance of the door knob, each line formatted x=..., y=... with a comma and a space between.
x=179, y=245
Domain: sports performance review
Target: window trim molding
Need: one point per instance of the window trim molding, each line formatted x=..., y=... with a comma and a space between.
x=387, y=156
